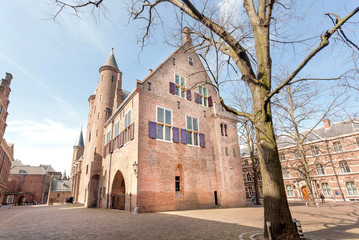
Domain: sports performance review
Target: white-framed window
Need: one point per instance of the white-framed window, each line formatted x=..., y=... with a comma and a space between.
x=320, y=169
x=192, y=129
x=180, y=86
x=117, y=128
x=250, y=191
x=357, y=141
x=290, y=191
x=164, y=124
x=315, y=151
x=190, y=61
x=249, y=177
x=326, y=189
x=344, y=167
x=281, y=156
x=301, y=171
x=127, y=126
x=351, y=188
x=259, y=176
x=286, y=173
x=296, y=154
x=203, y=96
x=108, y=136
x=246, y=163
x=10, y=199
x=337, y=147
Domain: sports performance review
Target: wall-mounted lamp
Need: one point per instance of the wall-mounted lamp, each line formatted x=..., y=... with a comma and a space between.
x=135, y=168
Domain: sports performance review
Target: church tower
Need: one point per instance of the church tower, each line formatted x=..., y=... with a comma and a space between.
x=76, y=165
x=105, y=100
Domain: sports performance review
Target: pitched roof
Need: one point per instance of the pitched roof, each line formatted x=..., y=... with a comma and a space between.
x=80, y=141
x=111, y=61
x=27, y=170
x=61, y=185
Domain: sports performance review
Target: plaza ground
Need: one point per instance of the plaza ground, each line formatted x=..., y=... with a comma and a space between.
x=329, y=221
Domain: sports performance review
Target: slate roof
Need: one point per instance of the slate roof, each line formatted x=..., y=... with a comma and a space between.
x=111, y=61
x=80, y=141
x=61, y=185
x=47, y=168
x=16, y=163
x=27, y=170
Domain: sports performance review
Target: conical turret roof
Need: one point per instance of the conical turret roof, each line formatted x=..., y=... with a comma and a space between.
x=111, y=61
x=80, y=141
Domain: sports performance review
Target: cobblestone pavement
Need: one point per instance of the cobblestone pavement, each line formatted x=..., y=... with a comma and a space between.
x=329, y=221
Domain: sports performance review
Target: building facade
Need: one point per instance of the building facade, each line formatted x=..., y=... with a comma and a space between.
x=5, y=150
x=167, y=145
x=332, y=153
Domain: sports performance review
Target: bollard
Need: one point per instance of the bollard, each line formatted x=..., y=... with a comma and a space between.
x=269, y=229
x=299, y=228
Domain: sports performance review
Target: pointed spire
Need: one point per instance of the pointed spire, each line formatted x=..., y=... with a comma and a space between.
x=80, y=141
x=111, y=61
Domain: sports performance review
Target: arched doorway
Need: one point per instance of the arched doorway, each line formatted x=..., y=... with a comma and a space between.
x=93, y=186
x=118, y=192
x=305, y=193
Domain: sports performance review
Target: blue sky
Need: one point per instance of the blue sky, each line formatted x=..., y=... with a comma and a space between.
x=55, y=69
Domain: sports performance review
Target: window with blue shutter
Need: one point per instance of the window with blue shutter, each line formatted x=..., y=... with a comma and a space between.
x=172, y=88
x=189, y=97
x=196, y=97
x=152, y=130
x=210, y=101
x=202, y=142
x=164, y=124
x=175, y=134
x=192, y=129
x=184, y=136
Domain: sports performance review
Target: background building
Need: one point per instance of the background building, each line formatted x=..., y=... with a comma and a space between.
x=167, y=145
x=332, y=152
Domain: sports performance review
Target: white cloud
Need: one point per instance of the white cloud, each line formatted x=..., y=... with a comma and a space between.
x=43, y=142
x=230, y=11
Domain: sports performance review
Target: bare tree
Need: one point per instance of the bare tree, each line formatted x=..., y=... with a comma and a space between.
x=295, y=107
x=247, y=47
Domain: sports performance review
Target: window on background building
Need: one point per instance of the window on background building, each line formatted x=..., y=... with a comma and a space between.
x=337, y=147
x=226, y=151
x=297, y=154
x=326, y=189
x=108, y=137
x=344, y=167
x=117, y=128
x=286, y=173
x=234, y=152
x=190, y=61
x=180, y=86
x=315, y=151
x=282, y=157
x=259, y=176
x=174, y=61
x=164, y=124
x=261, y=191
x=357, y=140
x=87, y=169
x=320, y=169
x=301, y=172
x=246, y=163
x=250, y=191
x=203, y=98
x=351, y=188
x=290, y=191
x=192, y=129
x=355, y=125
x=127, y=127
x=248, y=177
x=1, y=109
x=10, y=199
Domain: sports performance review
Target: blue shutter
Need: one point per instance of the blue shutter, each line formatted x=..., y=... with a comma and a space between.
x=184, y=134
x=210, y=101
x=196, y=97
x=175, y=137
x=152, y=130
x=202, y=142
x=189, y=97
x=172, y=88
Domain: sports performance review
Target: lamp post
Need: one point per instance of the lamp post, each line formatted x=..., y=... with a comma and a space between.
x=135, y=170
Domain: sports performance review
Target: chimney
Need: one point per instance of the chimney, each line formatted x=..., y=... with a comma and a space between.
x=326, y=123
x=187, y=35
x=149, y=71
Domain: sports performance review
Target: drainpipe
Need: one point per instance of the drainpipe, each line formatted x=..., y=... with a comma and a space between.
x=109, y=171
x=335, y=172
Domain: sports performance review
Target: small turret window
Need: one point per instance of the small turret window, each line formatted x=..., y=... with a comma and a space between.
x=112, y=79
x=190, y=61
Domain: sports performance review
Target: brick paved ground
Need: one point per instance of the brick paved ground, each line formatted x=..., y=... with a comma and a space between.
x=329, y=221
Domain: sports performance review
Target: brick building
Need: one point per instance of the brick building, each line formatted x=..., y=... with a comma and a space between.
x=29, y=183
x=5, y=150
x=60, y=190
x=332, y=152
x=166, y=145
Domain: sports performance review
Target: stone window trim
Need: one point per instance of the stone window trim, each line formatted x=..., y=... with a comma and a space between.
x=165, y=124
x=290, y=191
x=320, y=169
x=315, y=151
x=344, y=166
x=326, y=189
x=337, y=147
x=351, y=188
x=250, y=191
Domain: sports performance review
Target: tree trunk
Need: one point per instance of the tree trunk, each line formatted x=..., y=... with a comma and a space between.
x=255, y=177
x=306, y=175
x=276, y=209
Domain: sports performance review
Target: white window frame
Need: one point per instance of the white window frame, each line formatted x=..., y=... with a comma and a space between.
x=315, y=151
x=249, y=177
x=282, y=157
x=344, y=166
x=352, y=190
x=164, y=124
x=203, y=96
x=286, y=173
x=320, y=169
x=191, y=132
x=289, y=190
x=10, y=197
x=117, y=128
x=181, y=89
x=327, y=191
x=250, y=191
x=127, y=123
x=108, y=136
x=338, y=147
